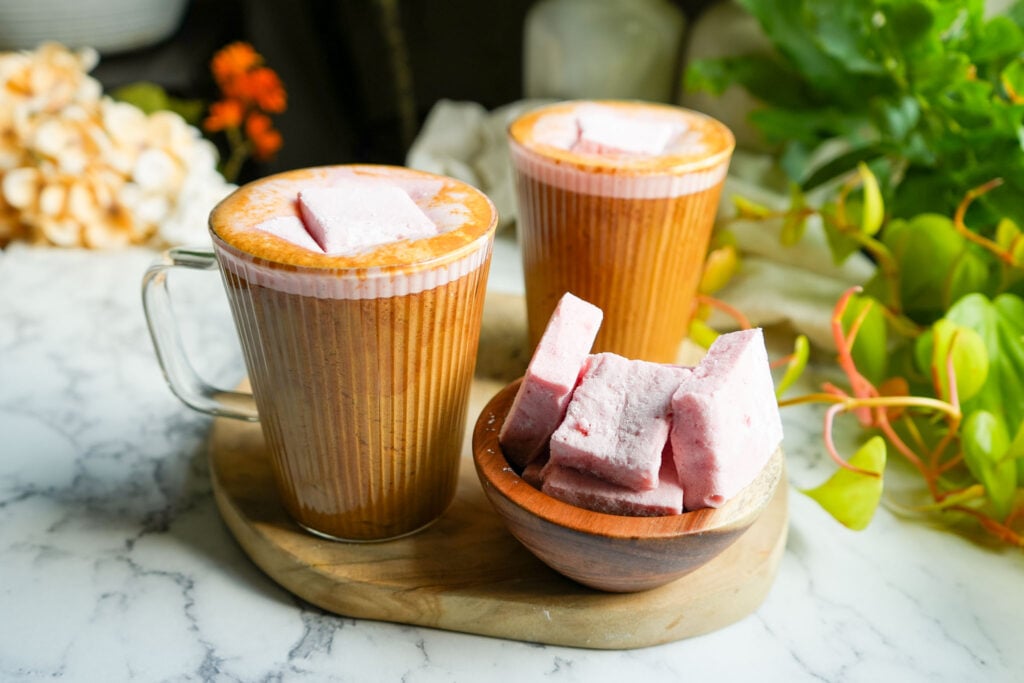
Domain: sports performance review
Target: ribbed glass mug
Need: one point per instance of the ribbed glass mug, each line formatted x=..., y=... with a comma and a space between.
x=625, y=231
x=360, y=365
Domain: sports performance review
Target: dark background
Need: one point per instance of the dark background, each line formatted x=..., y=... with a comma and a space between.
x=335, y=59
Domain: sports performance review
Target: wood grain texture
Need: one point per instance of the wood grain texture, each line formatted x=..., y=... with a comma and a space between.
x=467, y=573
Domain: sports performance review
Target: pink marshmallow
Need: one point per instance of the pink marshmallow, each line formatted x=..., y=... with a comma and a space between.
x=617, y=422
x=605, y=132
x=550, y=379
x=592, y=493
x=355, y=213
x=292, y=229
x=726, y=422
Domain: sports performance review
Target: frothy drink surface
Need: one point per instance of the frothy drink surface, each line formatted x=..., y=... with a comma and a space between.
x=460, y=213
x=360, y=363
x=616, y=205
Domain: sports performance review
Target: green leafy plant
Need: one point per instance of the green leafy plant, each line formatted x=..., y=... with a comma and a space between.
x=923, y=98
x=926, y=92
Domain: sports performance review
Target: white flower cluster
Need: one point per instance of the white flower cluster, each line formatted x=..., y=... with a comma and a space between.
x=79, y=169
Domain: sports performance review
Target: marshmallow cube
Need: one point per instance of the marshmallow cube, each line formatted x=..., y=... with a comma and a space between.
x=617, y=422
x=606, y=133
x=725, y=423
x=587, y=491
x=550, y=379
x=356, y=213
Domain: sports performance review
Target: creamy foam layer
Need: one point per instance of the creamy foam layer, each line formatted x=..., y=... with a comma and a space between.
x=464, y=216
x=691, y=154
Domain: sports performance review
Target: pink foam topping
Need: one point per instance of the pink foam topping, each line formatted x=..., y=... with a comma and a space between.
x=656, y=151
x=355, y=213
x=617, y=422
x=608, y=132
x=551, y=376
x=726, y=422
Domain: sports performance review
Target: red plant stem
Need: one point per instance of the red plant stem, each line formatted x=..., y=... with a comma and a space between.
x=954, y=421
x=857, y=322
x=731, y=311
x=910, y=455
x=911, y=427
x=999, y=530
x=958, y=222
x=950, y=464
x=830, y=445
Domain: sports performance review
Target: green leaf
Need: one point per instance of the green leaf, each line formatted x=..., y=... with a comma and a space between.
x=796, y=365
x=926, y=248
x=840, y=244
x=763, y=75
x=974, y=271
x=871, y=347
x=791, y=29
x=910, y=21
x=839, y=165
x=969, y=355
x=1000, y=323
x=985, y=445
x=845, y=32
x=747, y=208
x=873, y=212
x=150, y=98
x=1016, y=452
x=999, y=38
x=851, y=497
x=794, y=223
x=897, y=119
x=1012, y=77
x=1008, y=235
x=702, y=334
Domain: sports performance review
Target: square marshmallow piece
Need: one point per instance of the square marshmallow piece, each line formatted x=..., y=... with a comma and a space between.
x=617, y=423
x=587, y=491
x=607, y=132
x=550, y=379
x=355, y=213
x=725, y=423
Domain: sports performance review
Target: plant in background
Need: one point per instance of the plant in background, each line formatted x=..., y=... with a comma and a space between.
x=250, y=93
x=922, y=98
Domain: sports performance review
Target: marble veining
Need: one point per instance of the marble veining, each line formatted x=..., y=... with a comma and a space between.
x=115, y=566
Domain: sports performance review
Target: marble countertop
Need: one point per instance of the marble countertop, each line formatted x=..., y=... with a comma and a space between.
x=114, y=563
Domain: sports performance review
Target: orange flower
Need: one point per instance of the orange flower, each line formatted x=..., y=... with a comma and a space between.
x=224, y=114
x=266, y=89
x=250, y=91
x=265, y=139
x=234, y=60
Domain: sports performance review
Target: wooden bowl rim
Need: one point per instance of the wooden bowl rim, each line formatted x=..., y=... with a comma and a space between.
x=495, y=471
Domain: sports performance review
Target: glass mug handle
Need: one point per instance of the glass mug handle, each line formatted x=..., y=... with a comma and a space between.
x=184, y=381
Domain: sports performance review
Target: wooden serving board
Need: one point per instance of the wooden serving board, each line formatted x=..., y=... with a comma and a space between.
x=467, y=573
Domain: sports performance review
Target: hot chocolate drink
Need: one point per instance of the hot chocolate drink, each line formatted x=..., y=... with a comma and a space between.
x=360, y=359
x=616, y=205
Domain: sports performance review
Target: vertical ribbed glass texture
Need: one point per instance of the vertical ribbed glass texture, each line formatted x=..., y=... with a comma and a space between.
x=362, y=401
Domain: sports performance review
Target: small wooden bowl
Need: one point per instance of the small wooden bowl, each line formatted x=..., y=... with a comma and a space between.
x=609, y=552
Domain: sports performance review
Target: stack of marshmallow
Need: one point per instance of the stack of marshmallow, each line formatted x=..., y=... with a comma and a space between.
x=631, y=437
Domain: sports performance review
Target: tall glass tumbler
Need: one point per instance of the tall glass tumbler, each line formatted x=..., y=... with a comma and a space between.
x=616, y=204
